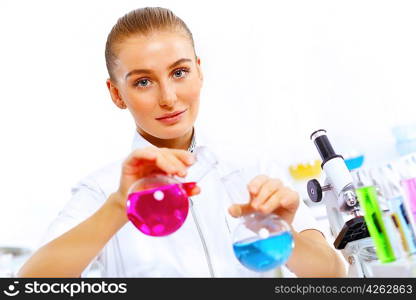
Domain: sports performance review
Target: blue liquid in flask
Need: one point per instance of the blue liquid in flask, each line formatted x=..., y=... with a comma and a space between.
x=354, y=162
x=264, y=254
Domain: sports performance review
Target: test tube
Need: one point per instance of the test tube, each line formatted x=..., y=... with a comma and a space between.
x=409, y=186
x=367, y=198
x=394, y=194
x=408, y=173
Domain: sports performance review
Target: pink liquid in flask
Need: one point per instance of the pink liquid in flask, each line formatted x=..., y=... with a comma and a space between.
x=159, y=211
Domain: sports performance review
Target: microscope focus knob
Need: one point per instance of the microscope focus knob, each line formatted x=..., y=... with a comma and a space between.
x=314, y=190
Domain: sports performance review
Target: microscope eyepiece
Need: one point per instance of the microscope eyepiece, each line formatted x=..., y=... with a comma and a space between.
x=323, y=145
x=317, y=133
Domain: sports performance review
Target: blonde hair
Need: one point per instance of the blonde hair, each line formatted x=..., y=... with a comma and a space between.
x=142, y=21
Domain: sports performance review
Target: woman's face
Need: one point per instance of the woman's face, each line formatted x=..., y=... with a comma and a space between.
x=159, y=80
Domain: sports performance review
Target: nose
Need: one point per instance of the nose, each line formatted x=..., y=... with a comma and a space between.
x=167, y=95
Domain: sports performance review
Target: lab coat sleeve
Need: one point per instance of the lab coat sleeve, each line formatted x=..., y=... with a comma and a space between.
x=86, y=199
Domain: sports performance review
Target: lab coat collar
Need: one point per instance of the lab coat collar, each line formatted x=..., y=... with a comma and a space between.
x=141, y=142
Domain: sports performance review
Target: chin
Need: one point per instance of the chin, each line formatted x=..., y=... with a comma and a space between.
x=173, y=132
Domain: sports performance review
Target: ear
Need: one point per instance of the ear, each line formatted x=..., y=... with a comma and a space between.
x=115, y=95
x=198, y=65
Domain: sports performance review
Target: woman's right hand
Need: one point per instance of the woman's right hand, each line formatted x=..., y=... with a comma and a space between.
x=151, y=160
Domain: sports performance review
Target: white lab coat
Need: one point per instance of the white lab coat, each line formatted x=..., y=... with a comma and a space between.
x=189, y=252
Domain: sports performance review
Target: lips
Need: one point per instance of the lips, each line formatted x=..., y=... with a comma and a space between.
x=171, y=115
x=172, y=118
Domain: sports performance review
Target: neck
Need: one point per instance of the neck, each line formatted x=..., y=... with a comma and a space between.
x=182, y=142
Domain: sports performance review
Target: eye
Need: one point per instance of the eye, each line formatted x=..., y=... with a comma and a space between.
x=179, y=73
x=142, y=82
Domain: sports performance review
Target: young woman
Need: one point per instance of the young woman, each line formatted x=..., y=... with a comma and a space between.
x=155, y=73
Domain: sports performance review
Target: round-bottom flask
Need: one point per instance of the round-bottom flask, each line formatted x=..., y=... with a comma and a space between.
x=260, y=242
x=158, y=205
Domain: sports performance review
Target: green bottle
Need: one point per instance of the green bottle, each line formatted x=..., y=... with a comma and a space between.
x=367, y=197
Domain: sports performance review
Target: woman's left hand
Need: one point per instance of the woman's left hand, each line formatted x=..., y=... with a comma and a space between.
x=268, y=195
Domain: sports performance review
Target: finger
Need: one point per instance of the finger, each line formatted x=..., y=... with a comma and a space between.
x=238, y=210
x=273, y=203
x=138, y=158
x=290, y=201
x=163, y=163
x=141, y=154
x=268, y=188
x=195, y=191
x=186, y=157
x=255, y=184
x=286, y=199
x=178, y=165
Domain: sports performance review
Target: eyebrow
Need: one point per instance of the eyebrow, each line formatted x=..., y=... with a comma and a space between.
x=146, y=71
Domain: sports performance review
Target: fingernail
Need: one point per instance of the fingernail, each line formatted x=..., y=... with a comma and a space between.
x=191, y=159
x=253, y=189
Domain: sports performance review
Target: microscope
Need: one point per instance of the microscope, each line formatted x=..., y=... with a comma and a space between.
x=346, y=222
x=347, y=225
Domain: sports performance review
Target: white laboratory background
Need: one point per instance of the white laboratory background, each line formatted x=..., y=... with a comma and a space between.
x=274, y=72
